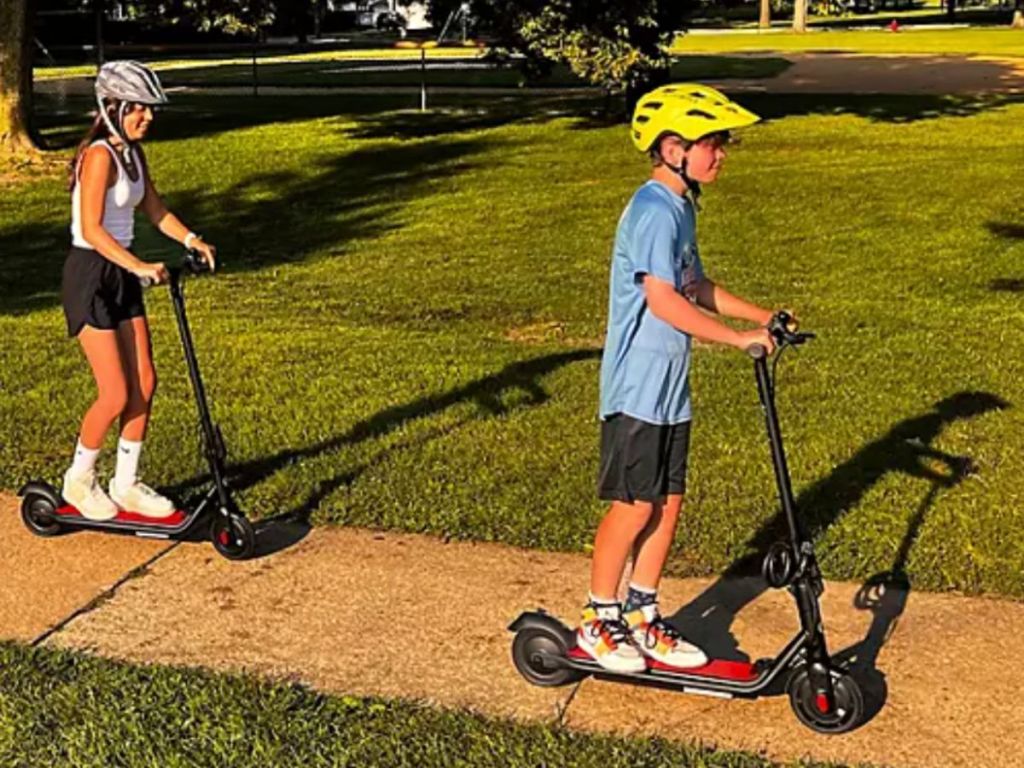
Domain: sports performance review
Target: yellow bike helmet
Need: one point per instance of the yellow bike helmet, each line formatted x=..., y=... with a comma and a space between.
x=690, y=110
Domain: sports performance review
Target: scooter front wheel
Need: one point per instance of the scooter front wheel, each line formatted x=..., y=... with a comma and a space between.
x=540, y=655
x=812, y=709
x=233, y=536
x=39, y=515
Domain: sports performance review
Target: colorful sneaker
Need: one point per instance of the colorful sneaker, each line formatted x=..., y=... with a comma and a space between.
x=141, y=499
x=84, y=494
x=604, y=637
x=659, y=640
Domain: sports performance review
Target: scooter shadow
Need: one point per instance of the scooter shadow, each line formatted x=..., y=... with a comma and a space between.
x=273, y=534
x=885, y=595
x=708, y=620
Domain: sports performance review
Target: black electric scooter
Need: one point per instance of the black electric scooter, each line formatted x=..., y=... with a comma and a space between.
x=45, y=513
x=824, y=697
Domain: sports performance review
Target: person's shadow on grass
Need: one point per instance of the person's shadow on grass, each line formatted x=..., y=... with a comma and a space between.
x=906, y=448
x=286, y=529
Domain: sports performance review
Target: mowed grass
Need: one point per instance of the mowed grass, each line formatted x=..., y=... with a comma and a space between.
x=985, y=41
x=407, y=330
x=65, y=709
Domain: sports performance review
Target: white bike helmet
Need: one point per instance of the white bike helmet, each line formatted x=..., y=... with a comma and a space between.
x=124, y=83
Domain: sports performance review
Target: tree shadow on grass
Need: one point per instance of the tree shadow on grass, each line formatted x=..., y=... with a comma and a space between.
x=1009, y=232
x=905, y=449
x=268, y=218
x=486, y=392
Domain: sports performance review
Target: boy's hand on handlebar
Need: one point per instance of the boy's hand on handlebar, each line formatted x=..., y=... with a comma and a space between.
x=761, y=336
x=153, y=273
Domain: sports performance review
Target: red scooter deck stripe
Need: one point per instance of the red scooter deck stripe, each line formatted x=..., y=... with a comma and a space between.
x=173, y=520
x=740, y=671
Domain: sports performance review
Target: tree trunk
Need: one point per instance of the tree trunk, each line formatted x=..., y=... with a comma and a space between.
x=951, y=9
x=766, y=14
x=15, y=76
x=800, y=16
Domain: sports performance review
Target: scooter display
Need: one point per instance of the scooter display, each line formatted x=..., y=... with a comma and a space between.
x=45, y=513
x=823, y=696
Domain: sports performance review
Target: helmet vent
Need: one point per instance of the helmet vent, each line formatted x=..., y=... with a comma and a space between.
x=700, y=113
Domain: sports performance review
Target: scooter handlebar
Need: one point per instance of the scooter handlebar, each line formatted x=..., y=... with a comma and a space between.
x=191, y=263
x=782, y=327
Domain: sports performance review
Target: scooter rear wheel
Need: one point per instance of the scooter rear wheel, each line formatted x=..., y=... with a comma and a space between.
x=535, y=651
x=233, y=536
x=39, y=516
x=844, y=716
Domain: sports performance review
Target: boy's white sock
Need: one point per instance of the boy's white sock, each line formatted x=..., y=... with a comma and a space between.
x=128, y=454
x=85, y=459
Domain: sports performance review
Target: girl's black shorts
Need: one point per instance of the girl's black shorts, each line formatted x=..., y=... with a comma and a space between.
x=642, y=461
x=95, y=291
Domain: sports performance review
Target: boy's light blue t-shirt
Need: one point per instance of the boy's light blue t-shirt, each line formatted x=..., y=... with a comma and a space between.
x=646, y=362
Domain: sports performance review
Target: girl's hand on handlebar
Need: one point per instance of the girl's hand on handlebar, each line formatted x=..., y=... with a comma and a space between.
x=208, y=253
x=153, y=274
x=761, y=336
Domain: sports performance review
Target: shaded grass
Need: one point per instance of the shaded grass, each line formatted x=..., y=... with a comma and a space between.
x=67, y=709
x=406, y=331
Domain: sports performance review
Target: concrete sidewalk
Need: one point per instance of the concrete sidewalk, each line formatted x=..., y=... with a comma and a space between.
x=409, y=616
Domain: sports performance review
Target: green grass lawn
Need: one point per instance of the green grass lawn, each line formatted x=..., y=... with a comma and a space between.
x=1000, y=41
x=69, y=710
x=406, y=332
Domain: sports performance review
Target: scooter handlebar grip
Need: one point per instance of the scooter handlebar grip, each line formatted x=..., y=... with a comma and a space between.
x=757, y=351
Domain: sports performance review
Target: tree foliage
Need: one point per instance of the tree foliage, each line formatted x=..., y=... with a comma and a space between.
x=612, y=43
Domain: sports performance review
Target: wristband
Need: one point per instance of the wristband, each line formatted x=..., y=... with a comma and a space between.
x=190, y=237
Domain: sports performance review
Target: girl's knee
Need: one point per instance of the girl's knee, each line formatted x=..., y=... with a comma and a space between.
x=112, y=400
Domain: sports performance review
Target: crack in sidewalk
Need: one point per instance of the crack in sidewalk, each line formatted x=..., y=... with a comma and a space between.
x=104, y=596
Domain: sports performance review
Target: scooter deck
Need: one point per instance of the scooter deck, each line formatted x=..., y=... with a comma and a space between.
x=715, y=669
x=129, y=521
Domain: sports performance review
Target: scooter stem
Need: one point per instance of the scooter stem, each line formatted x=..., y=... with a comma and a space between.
x=767, y=396
x=212, y=444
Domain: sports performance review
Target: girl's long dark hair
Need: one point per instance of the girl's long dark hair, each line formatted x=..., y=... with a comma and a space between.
x=98, y=130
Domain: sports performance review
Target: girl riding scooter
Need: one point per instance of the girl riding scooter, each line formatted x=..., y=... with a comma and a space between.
x=102, y=287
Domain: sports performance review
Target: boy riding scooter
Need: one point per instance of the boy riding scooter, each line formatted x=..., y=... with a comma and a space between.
x=658, y=290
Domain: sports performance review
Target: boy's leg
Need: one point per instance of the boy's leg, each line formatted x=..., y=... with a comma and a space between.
x=656, y=638
x=652, y=546
x=615, y=539
x=602, y=633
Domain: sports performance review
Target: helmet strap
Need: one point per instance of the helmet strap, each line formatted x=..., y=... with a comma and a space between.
x=127, y=160
x=693, y=190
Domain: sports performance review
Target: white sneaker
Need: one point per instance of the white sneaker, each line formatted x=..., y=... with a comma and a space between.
x=141, y=499
x=84, y=494
x=659, y=640
x=604, y=637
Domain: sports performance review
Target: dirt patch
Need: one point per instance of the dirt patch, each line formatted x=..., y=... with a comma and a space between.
x=401, y=615
x=45, y=580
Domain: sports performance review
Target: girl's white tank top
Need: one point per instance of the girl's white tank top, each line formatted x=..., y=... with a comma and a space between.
x=122, y=200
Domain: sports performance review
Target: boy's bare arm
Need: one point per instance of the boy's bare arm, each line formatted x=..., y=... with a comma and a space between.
x=716, y=299
x=667, y=304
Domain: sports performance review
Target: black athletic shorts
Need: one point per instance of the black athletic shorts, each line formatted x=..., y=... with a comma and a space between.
x=97, y=292
x=642, y=461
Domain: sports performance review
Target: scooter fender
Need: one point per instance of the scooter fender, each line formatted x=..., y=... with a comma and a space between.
x=540, y=619
x=39, y=488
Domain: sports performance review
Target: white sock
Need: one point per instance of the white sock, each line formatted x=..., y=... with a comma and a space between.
x=128, y=453
x=84, y=461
